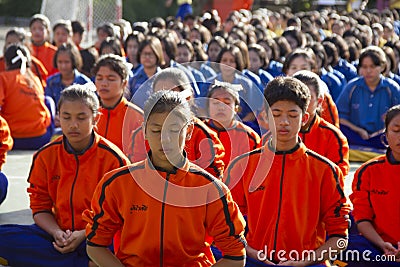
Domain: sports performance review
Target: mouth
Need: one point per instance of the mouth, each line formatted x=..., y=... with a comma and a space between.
x=73, y=134
x=283, y=131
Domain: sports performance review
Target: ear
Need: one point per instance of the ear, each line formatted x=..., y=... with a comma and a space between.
x=96, y=119
x=236, y=109
x=124, y=83
x=320, y=100
x=189, y=131
x=305, y=118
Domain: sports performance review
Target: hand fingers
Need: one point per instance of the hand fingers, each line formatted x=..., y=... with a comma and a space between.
x=62, y=249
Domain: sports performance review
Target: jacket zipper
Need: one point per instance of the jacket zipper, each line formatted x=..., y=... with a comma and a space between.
x=280, y=201
x=162, y=222
x=72, y=194
x=108, y=121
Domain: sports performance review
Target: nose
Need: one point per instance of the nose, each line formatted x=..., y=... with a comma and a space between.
x=284, y=120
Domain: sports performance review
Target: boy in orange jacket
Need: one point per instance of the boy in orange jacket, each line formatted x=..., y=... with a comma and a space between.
x=287, y=191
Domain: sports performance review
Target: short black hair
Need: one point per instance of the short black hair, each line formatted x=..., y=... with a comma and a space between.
x=287, y=89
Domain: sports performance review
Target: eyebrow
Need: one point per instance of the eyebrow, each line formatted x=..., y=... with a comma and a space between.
x=79, y=114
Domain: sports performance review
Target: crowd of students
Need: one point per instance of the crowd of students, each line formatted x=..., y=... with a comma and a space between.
x=197, y=142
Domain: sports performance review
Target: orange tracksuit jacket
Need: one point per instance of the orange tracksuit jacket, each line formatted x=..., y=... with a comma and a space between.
x=234, y=139
x=330, y=112
x=23, y=106
x=327, y=140
x=63, y=184
x=117, y=123
x=288, y=198
x=45, y=53
x=36, y=67
x=375, y=197
x=6, y=141
x=165, y=216
x=203, y=148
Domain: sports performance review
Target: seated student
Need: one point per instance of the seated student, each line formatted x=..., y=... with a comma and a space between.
x=204, y=147
x=68, y=61
x=304, y=59
x=17, y=36
x=150, y=55
x=223, y=103
x=62, y=180
x=375, y=200
x=366, y=99
x=133, y=198
x=6, y=143
x=24, y=109
x=62, y=32
x=318, y=134
x=258, y=62
x=287, y=191
x=131, y=47
x=40, y=47
x=119, y=118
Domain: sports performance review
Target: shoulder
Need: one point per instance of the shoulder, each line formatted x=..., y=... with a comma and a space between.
x=391, y=83
x=372, y=164
x=49, y=149
x=134, y=108
x=109, y=148
x=319, y=162
x=329, y=127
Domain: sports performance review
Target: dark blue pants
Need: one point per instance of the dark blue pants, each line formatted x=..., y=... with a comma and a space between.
x=29, y=245
x=355, y=139
x=34, y=143
x=3, y=187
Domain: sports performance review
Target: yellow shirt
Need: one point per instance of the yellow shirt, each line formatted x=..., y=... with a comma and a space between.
x=181, y=2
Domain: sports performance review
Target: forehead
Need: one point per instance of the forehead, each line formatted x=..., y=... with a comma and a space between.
x=299, y=60
x=74, y=107
x=285, y=106
x=395, y=121
x=165, y=119
x=221, y=93
x=106, y=70
x=165, y=84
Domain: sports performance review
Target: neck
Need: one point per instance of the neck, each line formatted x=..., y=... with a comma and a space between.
x=150, y=71
x=110, y=103
x=396, y=156
x=308, y=124
x=285, y=145
x=372, y=86
x=223, y=124
x=38, y=44
x=68, y=75
x=228, y=78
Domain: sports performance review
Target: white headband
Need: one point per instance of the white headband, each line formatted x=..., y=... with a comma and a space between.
x=24, y=60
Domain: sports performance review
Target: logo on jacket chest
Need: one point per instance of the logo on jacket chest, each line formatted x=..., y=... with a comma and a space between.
x=379, y=192
x=55, y=178
x=137, y=207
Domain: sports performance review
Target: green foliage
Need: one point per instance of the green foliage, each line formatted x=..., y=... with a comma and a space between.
x=143, y=10
x=19, y=8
